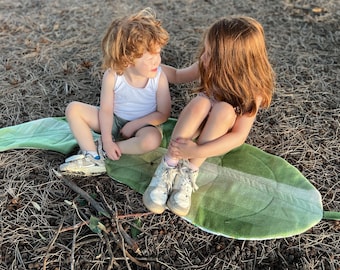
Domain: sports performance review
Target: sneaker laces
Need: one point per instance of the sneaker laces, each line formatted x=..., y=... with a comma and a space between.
x=166, y=177
x=89, y=157
x=187, y=176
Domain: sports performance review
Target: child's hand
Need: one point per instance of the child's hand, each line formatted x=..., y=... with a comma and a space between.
x=182, y=148
x=128, y=130
x=112, y=150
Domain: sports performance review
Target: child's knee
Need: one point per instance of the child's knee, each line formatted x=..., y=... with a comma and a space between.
x=152, y=141
x=72, y=108
x=200, y=105
x=224, y=111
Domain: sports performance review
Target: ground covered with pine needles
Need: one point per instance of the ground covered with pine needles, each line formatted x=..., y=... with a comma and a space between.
x=50, y=55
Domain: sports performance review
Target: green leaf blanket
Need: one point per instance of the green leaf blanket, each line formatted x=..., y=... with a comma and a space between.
x=244, y=194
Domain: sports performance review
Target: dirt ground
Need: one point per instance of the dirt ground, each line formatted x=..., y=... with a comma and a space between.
x=50, y=55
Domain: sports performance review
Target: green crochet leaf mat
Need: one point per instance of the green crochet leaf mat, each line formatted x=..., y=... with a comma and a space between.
x=245, y=194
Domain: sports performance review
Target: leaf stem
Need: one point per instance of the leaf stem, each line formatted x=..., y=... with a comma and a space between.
x=331, y=215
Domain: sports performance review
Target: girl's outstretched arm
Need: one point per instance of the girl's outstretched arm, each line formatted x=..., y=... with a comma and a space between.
x=183, y=75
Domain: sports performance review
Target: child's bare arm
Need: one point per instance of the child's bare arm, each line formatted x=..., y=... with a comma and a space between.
x=163, y=100
x=183, y=75
x=106, y=105
x=106, y=115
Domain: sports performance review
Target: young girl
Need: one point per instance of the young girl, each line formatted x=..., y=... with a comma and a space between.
x=134, y=100
x=236, y=79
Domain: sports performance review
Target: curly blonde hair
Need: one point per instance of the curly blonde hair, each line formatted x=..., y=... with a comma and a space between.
x=128, y=38
x=239, y=70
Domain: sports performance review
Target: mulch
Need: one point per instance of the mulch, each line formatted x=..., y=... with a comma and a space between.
x=50, y=56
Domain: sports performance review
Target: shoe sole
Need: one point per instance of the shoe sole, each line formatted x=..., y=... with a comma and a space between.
x=151, y=206
x=175, y=209
x=82, y=173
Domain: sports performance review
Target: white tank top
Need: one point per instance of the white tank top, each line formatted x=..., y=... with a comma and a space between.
x=131, y=102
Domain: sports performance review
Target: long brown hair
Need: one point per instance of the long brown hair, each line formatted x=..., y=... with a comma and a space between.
x=238, y=71
x=128, y=38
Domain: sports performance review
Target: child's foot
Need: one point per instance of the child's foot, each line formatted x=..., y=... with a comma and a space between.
x=156, y=195
x=85, y=164
x=82, y=164
x=180, y=199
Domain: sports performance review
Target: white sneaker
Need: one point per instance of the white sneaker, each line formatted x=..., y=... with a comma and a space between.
x=156, y=195
x=85, y=164
x=185, y=184
x=82, y=164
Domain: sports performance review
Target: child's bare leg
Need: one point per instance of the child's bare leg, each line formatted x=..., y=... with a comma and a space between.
x=146, y=139
x=220, y=120
x=189, y=122
x=188, y=125
x=156, y=195
x=83, y=118
x=167, y=178
x=191, y=118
